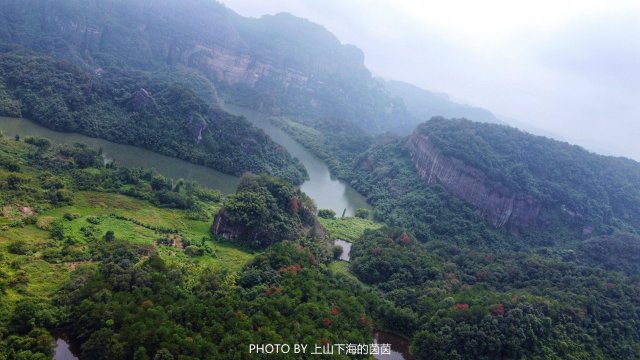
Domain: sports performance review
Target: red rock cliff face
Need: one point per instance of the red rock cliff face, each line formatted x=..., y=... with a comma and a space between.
x=228, y=230
x=496, y=203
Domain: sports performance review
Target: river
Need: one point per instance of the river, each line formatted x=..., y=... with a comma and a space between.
x=66, y=348
x=327, y=191
x=322, y=187
x=346, y=249
x=399, y=346
x=127, y=155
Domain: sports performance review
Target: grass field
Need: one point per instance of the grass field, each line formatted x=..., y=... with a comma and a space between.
x=348, y=228
x=88, y=220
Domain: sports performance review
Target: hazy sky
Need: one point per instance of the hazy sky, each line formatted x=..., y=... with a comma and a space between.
x=570, y=68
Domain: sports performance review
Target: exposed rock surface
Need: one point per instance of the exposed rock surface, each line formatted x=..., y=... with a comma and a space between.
x=498, y=204
x=280, y=64
x=223, y=227
x=196, y=126
x=141, y=100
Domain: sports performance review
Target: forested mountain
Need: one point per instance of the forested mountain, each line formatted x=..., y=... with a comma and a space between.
x=516, y=179
x=279, y=64
x=486, y=242
x=509, y=245
x=137, y=109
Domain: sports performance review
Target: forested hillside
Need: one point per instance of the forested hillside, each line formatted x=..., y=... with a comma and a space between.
x=572, y=193
x=279, y=64
x=138, y=109
x=563, y=286
x=124, y=260
x=599, y=192
x=485, y=242
x=266, y=210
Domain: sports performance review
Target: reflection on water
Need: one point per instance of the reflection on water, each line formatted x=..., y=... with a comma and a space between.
x=346, y=249
x=66, y=348
x=327, y=191
x=128, y=156
x=399, y=346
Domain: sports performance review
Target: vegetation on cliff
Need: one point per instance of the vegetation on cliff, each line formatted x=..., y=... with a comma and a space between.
x=279, y=64
x=137, y=109
x=265, y=210
x=600, y=190
x=467, y=290
x=125, y=260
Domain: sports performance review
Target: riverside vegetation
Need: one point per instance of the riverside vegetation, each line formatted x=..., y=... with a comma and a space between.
x=565, y=287
x=126, y=258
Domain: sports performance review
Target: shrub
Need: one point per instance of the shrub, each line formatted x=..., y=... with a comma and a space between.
x=18, y=247
x=337, y=251
x=327, y=214
x=362, y=213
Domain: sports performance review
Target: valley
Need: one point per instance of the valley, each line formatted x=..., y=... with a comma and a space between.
x=123, y=155
x=327, y=192
x=192, y=182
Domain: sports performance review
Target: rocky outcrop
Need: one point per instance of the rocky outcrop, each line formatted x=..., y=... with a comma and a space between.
x=495, y=202
x=280, y=64
x=222, y=226
x=196, y=125
x=141, y=100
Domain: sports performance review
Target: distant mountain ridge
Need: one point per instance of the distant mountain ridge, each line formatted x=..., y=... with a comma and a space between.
x=279, y=64
x=425, y=104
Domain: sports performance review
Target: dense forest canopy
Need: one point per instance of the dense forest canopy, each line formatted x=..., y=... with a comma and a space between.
x=139, y=109
x=265, y=210
x=124, y=259
x=469, y=290
x=601, y=189
x=133, y=264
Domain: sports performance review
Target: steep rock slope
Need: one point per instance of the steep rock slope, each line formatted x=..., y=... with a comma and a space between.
x=497, y=203
x=516, y=179
x=280, y=64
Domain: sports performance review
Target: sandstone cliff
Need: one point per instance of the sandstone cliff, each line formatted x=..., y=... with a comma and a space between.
x=222, y=226
x=280, y=64
x=498, y=204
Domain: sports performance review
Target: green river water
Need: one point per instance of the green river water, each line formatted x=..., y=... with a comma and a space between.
x=322, y=187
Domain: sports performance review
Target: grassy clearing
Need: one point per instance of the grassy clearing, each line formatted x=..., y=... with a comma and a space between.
x=342, y=267
x=226, y=256
x=89, y=221
x=348, y=228
x=89, y=205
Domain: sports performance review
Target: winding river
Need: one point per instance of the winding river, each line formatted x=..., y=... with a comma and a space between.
x=327, y=191
x=322, y=187
x=126, y=155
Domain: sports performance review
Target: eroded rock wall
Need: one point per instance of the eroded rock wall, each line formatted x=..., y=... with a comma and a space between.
x=496, y=203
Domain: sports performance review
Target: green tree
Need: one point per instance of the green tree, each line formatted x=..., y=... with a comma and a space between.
x=362, y=213
x=327, y=214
